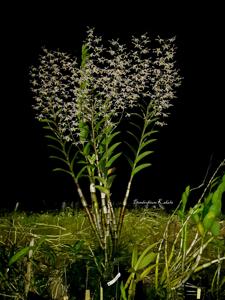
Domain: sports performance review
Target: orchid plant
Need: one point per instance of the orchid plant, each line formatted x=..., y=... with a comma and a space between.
x=81, y=103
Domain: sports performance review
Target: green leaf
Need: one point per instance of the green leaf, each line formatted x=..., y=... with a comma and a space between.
x=196, y=218
x=47, y=128
x=82, y=162
x=110, y=181
x=208, y=199
x=184, y=198
x=58, y=158
x=102, y=189
x=84, y=55
x=80, y=173
x=62, y=170
x=19, y=255
x=57, y=148
x=100, y=179
x=110, y=151
x=139, y=168
x=73, y=160
x=84, y=131
x=131, y=148
x=144, y=254
x=149, y=133
x=144, y=144
x=142, y=155
x=146, y=260
x=129, y=160
x=108, y=139
x=146, y=272
x=215, y=228
x=86, y=149
x=151, y=120
x=133, y=135
x=112, y=159
x=209, y=220
x=137, y=115
x=47, y=121
x=123, y=291
x=134, y=256
x=136, y=126
x=98, y=124
x=50, y=137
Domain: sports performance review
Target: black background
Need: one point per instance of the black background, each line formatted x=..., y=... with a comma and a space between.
x=196, y=125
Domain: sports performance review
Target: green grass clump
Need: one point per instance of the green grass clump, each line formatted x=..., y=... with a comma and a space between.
x=57, y=254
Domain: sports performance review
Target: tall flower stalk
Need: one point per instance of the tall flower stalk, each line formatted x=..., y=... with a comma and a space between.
x=81, y=103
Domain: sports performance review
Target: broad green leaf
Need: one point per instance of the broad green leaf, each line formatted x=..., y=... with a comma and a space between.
x=110, y=181
x=134, y=256
x=19, y=255
x=146, y=272
x=62, y=170
x=86, y=149
x=102, y=189
x=146, y=260
x=139, y=168
x=196, y=218
x=200, y=228
x=142, y=155
x=208, y=199
x=100, y=179
x=216, y=209
x=84, y=131
x=215, y=228
x=112, y=159
x=209, y=220
x=144, y=253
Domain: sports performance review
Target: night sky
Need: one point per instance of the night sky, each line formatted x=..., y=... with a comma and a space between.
x=195, y=130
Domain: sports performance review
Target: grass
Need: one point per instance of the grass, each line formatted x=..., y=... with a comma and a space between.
x=65, y=250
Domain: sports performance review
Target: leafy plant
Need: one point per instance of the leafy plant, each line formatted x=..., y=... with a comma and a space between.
x=140, y=268
x=180, y=258
x=81, y=106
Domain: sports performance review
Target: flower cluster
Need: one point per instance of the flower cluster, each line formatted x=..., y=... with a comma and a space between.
x=110, y=81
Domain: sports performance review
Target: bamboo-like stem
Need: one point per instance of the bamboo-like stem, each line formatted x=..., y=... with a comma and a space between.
x=147, y=121
x=123, y=209
x=90, y=217
x=28, y=275
x=210, y=181
x=206, y=265
x=96, y=209
x=100, y=222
